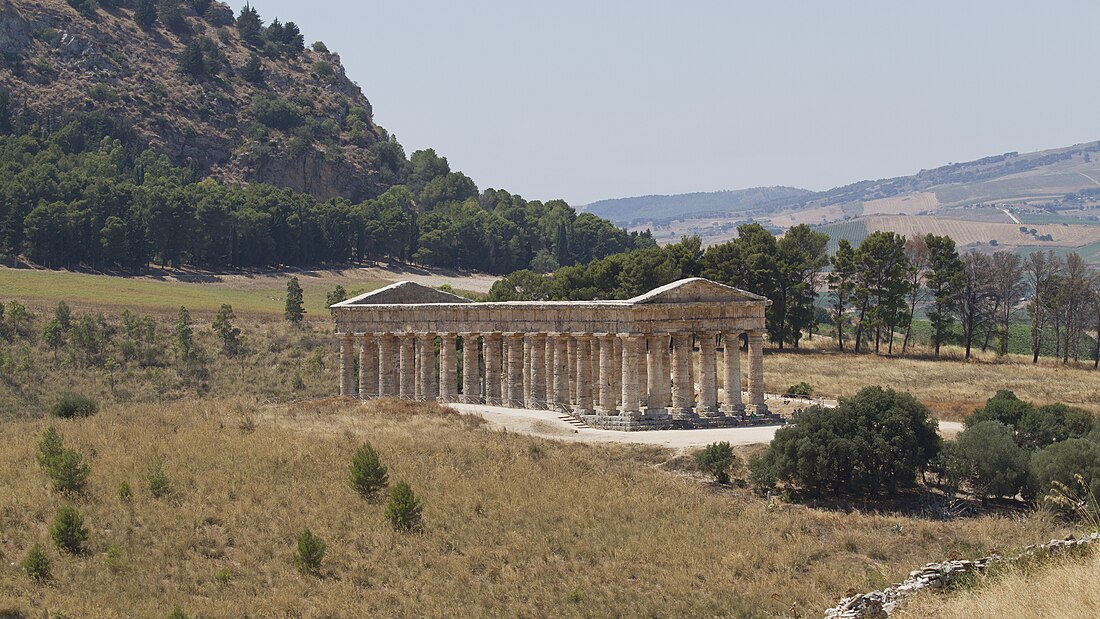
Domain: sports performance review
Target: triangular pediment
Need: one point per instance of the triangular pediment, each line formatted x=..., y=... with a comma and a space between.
x=696, y=290
x=402, y=293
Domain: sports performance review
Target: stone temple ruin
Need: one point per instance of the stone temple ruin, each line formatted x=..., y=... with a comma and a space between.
x=644, y=363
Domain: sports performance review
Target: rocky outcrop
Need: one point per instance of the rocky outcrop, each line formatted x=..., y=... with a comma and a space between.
x=881, y=603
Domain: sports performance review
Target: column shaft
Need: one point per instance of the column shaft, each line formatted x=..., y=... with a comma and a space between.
x=387, y=366
x=471, y=383
x=657, y=375
x=347, y=366
x=551, y=351
x=731, y=345
x=631, y=389
x=561, y=370
x=426, y=387
x=607, y=369
x=448, y=367
x=513, y=383
x=536, y=343
x=582, y=375
x=407, y=383
x=368, y=367
x=570, y=369
x=617, y=375
x=683, y=391
x=708, y=379
x=756, y=371
x=491, y=343
x=528, y=346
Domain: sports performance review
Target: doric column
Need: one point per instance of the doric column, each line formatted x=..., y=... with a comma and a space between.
x=582, y=375
x=560, y=390
x=448, y=367
x=631, y=386
x=407, y=382
x=471, y=393
x=368, y=367
x=426, y=387
x=607, y=372
x=536, y=344
x=617, y=375
x=513, y=381
x=528, y=346
x=731, y=344
x=347, y=365
x=570, y=369
x=756, y=372
x=491, y=343
x=657, y=375
x=594, y=370
x=551, y=362
x=708, y=381
x=683, y=391
x=387, y=366
x=641, y=363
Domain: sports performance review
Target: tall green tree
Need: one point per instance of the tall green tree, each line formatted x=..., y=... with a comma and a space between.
x=842, y=284
x=295, y=308
x=185, y=336
x=249, y=25
x=229, y=334
x=801, y=255
x=145, y=14
x=945, y=277
x=879, y=294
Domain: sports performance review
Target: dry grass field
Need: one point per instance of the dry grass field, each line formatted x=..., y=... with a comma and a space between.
x=950, y=386
x=1062, y=589
x=969, y=232
x=514, y=526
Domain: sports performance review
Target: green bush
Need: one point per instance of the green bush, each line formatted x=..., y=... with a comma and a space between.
x=990, y=460
x=276, y=113
x=873, y=441
x=1062, y=461
x=368, y=474
x=404, y=509
x=1052, y=423
x=125, y=494
x=157, y=480
x=177, y=613
x=717, y=459
x=37, y=564
x=74, y=405
x=1004, y=407
x=116, y=558
x=802, y=389
x=65, y=467
x=50, y=447
x=310, y=552
x=68, y=531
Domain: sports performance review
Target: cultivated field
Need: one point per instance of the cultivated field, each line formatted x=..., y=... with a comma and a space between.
x=975, y=232
x=514, y=526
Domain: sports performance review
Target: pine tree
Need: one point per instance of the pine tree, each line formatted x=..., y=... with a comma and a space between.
x=63, y=315
x=310, y=553
x=338, y=294
x=368, y=474
x=145, y=14
x=68, y=530
x=253, y=70
x=250, y=26
x=37, y=564
x=945, y=277
x=294, y=306
x=191, y=60
x=404, y=509
x=185, y=344
x=229, y=334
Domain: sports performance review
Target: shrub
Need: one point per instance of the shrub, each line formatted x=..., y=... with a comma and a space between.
x=125, y=494
x=177, y=613
x=1004, y=407
x=116, y=559
x=37, y=564
x=802, y=389
x=73, y=405
x=276, y=113
x=1061, y=462
x=1052, y=423
x=50, y=447
x=157, y=480
x=873, y=441
x=368, y=474
x=68, y=531
x=403, y=510
x=310, y=553
x=991, y=461
x=65, y=467
x=716, y=459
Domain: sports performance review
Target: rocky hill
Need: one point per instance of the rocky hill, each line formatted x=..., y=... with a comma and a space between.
x=188, y=83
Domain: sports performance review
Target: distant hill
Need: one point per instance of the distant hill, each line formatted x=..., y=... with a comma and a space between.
x=660, y=208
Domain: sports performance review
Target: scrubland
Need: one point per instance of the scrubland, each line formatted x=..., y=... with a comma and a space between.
x=514, y=526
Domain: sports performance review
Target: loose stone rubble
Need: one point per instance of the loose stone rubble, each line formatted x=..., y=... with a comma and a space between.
x=880, y=603
x=645, y=363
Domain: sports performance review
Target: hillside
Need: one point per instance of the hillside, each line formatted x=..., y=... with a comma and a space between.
x=976, y=202
x=57, y=58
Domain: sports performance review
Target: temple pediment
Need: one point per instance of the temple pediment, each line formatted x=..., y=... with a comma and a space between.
x=403, y=293
x=696, y=290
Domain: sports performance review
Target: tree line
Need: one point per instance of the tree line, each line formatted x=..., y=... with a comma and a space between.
x=870, y=293
x=81, y=189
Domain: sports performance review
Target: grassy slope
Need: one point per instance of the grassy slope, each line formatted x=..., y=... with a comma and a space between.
x=515, y=526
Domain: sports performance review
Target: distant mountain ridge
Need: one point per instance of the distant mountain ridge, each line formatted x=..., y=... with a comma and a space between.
x=626, y=211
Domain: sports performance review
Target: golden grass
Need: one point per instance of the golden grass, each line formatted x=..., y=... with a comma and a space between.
x=515, y=526
x=1065, y=588
x=950, y=386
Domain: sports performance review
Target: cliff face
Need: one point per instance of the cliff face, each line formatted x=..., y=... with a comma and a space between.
x=54, y=58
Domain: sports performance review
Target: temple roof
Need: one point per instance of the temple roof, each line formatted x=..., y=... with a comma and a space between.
x=695, y=290
x=401, y=293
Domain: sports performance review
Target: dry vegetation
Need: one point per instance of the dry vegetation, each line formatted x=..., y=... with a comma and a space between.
x=1063, y=589
x=515, y=526
x=950, y=386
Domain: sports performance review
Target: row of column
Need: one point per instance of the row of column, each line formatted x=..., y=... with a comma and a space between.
x=608, y=374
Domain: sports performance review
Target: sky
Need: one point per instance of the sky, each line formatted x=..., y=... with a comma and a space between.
x=586, y=100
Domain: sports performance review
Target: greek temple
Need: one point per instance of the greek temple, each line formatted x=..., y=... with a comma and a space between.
x=650, y=362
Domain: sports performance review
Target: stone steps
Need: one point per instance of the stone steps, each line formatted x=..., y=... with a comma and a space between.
x=571, y=420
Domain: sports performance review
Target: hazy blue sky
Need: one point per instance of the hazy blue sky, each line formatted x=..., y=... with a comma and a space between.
x=586, y=100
